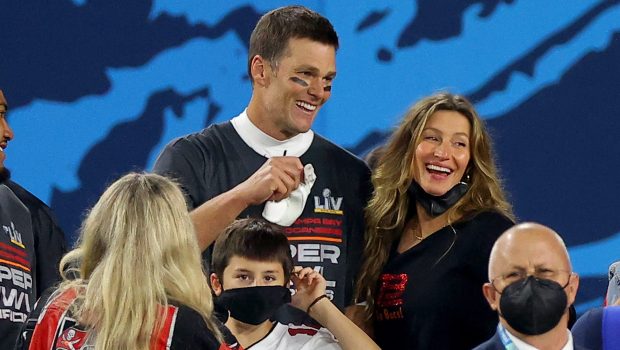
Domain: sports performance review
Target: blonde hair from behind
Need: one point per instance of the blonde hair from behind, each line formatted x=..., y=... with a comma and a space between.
x=137, y=251
x=386, y=212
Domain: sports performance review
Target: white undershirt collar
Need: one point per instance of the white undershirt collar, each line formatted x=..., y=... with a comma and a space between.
x=521, y=345
x=266, y=145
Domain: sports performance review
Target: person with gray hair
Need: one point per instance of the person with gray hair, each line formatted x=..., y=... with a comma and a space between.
x=531, y=286
x=613, y=287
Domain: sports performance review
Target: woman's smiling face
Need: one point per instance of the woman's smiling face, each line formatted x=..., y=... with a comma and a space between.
x=443, y=152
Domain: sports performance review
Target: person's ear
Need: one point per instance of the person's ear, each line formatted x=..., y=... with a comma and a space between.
x=259, y=68
x=216, y=285
x=490, y=294
x=571, y=289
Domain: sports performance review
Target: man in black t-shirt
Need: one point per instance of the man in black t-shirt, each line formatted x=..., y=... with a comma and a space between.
x=263, y=155
x=31, y=245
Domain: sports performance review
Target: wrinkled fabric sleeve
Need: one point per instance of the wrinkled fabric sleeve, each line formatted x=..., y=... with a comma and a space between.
x=322, y=340
x=191, y=332
x=184, y=163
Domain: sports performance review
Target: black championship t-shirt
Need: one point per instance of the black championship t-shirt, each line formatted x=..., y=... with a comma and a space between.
x=17, y=266
x=49, y=240
x=430, y=296
x=327, y=236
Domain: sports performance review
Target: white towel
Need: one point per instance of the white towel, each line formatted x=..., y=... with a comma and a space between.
x=286, y=211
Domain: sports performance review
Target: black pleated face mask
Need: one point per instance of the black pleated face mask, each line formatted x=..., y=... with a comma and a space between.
x=435, y=205
x=253, y=305
x=533, y=306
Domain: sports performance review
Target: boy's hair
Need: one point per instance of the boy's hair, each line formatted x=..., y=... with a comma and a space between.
x=254, y=239
x=271, y=35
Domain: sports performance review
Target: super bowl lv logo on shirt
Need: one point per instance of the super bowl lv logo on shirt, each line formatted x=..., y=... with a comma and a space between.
x=15, y=275
x=327, y=204
x=317, y=238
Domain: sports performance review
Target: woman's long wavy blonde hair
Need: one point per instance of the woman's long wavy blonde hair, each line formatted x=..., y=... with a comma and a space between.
x=137, y=252
x=386, y=213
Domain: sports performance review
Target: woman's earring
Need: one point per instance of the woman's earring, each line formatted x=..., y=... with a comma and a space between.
x=465, y=179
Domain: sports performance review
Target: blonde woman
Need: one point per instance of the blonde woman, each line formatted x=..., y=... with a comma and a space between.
x=436, y=210
x=140, y=283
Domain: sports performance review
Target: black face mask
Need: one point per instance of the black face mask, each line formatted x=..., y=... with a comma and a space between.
x=253, y=305
x=533, y=306
x=435, y=205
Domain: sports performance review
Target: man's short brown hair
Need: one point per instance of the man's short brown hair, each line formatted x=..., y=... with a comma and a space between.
x=270, y=37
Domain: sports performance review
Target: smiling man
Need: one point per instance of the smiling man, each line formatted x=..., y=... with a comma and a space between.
x=268, y=162
x=6, y=135
x=31, y=245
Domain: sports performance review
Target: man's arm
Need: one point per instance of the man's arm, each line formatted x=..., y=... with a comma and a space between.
x=274, y=180
x=184, y=163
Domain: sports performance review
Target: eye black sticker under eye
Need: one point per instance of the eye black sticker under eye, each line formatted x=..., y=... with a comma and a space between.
x=327, y=88
x=299, y=81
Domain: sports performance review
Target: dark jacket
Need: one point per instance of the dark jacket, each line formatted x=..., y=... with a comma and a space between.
x=495, y=343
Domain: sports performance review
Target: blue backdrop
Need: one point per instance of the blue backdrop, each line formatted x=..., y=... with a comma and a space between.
x=96, y=88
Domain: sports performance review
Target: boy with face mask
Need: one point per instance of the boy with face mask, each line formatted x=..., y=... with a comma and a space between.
x=251, y=270
x=531, y=287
